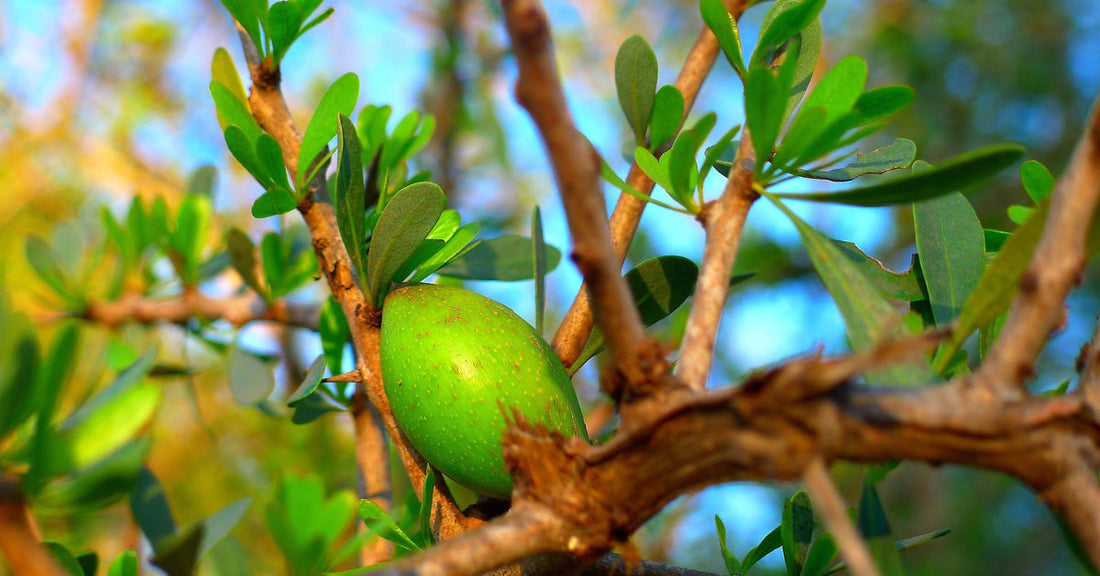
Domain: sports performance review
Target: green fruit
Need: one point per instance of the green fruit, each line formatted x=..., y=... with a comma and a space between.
x=455, y=363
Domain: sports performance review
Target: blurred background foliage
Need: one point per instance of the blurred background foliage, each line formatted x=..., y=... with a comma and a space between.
x=101, y=100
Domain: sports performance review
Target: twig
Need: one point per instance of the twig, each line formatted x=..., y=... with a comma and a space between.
x=829, y=503
x=577, y=324
x=723, y=219
x=236, y=310
x=17, y=539
x=576, y=169
x=1055, y=268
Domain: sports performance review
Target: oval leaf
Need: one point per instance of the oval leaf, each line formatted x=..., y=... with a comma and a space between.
x=951, y=246
x=251, y=380
x=636, y=82
x=273, y=203
x=310, y=383
x=668, y=110
x=403, y=225
x=340, y=98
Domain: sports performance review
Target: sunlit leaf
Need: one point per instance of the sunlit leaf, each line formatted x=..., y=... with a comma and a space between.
x=234, y=111
x=724, y=27
x=244, y=12
x=765, y=104
x=125, y=564
x=733, y=566
x=383, y=525
x=904, y=287
x=771, y=541
x=274, y=202
x=340, y=98
x=668, y=110
x=244, y=150
x=782, y=22
x=455, y=244
x=283, y=21
x=224, y=72
x=636, y=83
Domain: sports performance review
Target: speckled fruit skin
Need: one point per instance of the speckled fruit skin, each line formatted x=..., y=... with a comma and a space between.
x=450, y=359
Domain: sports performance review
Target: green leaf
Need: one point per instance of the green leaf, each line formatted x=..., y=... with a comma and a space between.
x=310, y=383
x=951, y=246
x=234, y=111
x=97, y=486
x=17, y=400
x=874, y=527
x=809, y=49
x=178, y=555
x=636, y=82
x=313, y=407
x=56, y=368
x=1018, y=213
x=251, y=380
x=283, y=21
x=270, y=155
x=868, y=316
x=538, y=257
x=822, y=553
x=242, y=256
x=426, y=508
x=914, y=541
x=783, y=21
x=219, y=524
x=244, y=12
x=192, y=228
x=955, y=174
x=767, y=545
x=796, y=531
x=44, y=262
x=340, y=98
x=903, y=287
x=682, y=170
x=998, y=284
x=202, y=180
x=224, y=72
x=724, y=27
x=65, y=559
x=840, y=88
x=895, y=156
x=506, y=258
x=384, y=526
x=1037, y=180
x=107, y=422
x=150, y=509
x=125, y=564
x=273, y=259
x=350, y=195
x=334, y=331
x=668, y=110
x=404, y=224
x=764, y=109
x=613, y=179
x=732, y=565
x=273, y=203
x=994, y=240
x=652, y=168
x=882, y=102
x=451, y=249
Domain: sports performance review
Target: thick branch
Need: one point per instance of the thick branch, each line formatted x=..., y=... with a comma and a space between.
x=577, y=324
x=1055, y=268
x=724, y=220
x=236, y=310
x=576, y=169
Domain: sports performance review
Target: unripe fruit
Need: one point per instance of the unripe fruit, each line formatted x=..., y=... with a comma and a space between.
x=455, y=363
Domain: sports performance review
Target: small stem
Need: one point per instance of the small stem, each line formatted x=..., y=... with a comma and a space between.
x=823, y=493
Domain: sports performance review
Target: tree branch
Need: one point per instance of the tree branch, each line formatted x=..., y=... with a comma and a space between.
x=236, y=310
x=1055, y=268
x=723, y=219
x=576, y=169
x=577, y=324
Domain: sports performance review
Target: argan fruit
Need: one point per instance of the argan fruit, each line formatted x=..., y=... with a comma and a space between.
x=455, y=364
